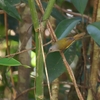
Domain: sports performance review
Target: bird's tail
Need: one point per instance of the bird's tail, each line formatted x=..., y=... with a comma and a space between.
x=79, y=36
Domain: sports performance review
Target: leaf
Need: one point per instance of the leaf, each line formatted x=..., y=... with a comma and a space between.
x=9, y=62
x=33, y=59
x=94, y=31
x=26, y=1
x=55, y=63
x=65, y=27
x=59, y=2
x=11, y=10
x=57, y=15
x=13, y=2
x=26, y=66
x=80, y=5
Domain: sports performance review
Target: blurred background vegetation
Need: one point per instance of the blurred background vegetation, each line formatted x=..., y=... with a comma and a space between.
x=68, y=18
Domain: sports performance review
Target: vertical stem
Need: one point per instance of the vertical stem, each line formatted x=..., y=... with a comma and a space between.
x=95, y=55
x=70, y=72
x=8, y=52
x=48, y=10
x=6, y=30
x=25, y=42
x=55, y=89
x=39, y=57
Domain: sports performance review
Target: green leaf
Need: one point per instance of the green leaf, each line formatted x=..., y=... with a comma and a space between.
x=26, y=66
x=11, y=10
x=33, y=59
x=94, y=31
x=9, y=62
x=26, y=1
x=55, y=63
x=60, y=2
x=80, y=5
x=65, y=27
x=57, y=15
x=13, y=2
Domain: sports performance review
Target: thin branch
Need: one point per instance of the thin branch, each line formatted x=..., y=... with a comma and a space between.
x=10, y=55
x=75, y=14
x=8, y=52
x=69, y=83
x=71, y=76
x=25, y=91
x=6, y=30
x=95, y=8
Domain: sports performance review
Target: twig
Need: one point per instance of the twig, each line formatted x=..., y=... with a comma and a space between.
x=6, y=30
x=95, y=9
x=53, y=36
x=70, y=83
x=10, y=55
x=8, y=52
x=75, y=14
x=71, y=76
x=27, y=90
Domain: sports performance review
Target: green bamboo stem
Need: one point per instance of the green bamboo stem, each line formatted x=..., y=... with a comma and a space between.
x=39, y=57
x=39, y=60
x=33, y=13
x=48, y=10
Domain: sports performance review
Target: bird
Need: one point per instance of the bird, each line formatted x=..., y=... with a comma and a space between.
x=64, y=43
